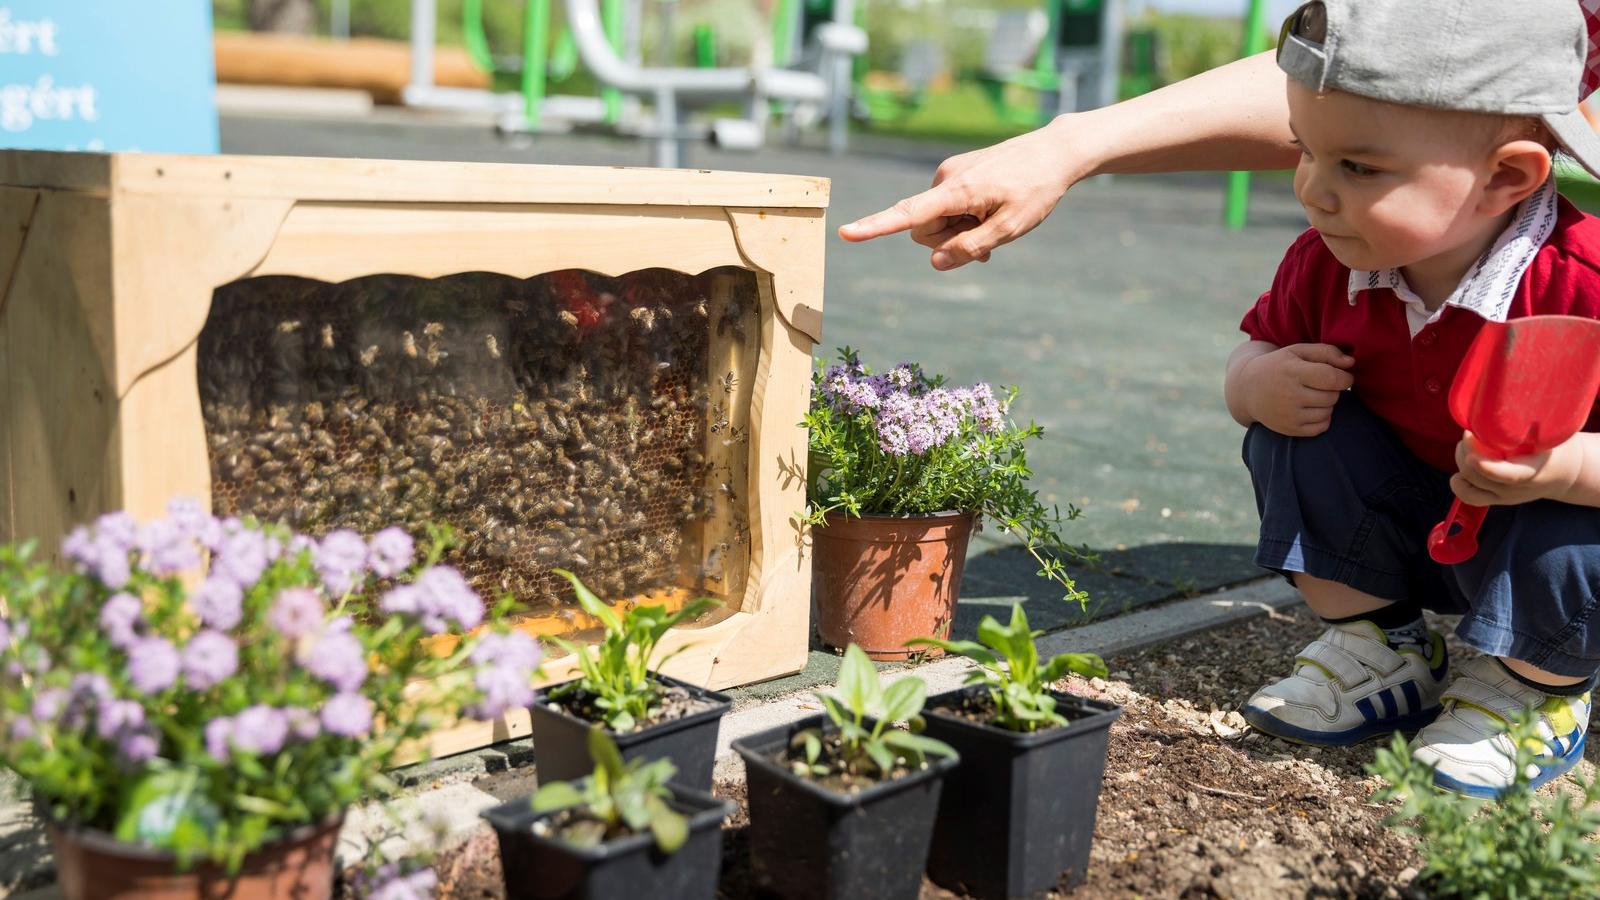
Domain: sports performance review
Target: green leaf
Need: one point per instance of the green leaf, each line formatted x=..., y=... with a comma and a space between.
x=591, y=604
x=905, y=740
x=970, y=649
x=670, y=829
x=903, y=699
x=1089, y=665
x=603, y=750
x=858, y=682
x=557, y=795
x=879, y=753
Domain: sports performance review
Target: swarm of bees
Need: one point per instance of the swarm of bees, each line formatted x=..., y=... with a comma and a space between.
x=545, y=438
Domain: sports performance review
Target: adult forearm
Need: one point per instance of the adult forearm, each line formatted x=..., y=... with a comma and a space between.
x=1232, y=117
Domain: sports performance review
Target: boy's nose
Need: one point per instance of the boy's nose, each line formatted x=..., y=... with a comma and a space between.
x=1313, y=193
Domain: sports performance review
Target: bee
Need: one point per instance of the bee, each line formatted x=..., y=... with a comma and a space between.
x=435, y=355
x=289, y=326
x=579, y=560
x=700, y=308
x=369, y=355
x=408, y=344
x=327, y=336
x=433, y=329
x=491, y=345
x=313, y=413
x=271, y=468
x=729, y=382
x=645, y=317
x=727, y=488
x=567, y=318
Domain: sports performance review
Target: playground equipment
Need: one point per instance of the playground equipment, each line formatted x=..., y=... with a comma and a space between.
x=1236, y=206
x=1067, y=53
x=605, y=35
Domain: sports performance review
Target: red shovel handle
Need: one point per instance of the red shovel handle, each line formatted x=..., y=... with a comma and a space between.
x=1455, y=539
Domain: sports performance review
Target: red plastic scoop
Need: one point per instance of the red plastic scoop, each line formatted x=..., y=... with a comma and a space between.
x=1524, y=387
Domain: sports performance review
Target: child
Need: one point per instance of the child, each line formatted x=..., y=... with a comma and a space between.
x=1426, y=132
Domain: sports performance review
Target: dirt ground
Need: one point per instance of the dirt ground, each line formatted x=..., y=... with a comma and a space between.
x=1194, y=804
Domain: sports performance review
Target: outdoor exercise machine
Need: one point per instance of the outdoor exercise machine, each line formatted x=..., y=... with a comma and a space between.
x=1068, y=54
x=605, y=36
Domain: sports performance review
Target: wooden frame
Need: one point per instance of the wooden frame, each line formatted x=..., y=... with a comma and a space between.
x=108, y=264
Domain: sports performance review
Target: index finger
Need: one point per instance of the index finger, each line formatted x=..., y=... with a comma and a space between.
x=927, y=210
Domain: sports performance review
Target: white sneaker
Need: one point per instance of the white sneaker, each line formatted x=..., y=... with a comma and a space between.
x=1348, y=686
x=1468, y=745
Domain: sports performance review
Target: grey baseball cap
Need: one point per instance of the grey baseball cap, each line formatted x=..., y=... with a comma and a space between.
x=1518, y=59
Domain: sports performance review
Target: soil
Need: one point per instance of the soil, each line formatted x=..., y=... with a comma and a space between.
x=674, y=703
x=1195, y=804
x=838, y=777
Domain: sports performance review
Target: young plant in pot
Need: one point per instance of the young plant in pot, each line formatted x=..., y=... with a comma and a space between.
x=901, y=469
x=200, y=731
x=649, y=715
x=842, y=804
x=1017, y=816
x=621, y=830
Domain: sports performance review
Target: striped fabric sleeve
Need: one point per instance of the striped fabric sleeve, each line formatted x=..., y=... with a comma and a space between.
x=1591, y=70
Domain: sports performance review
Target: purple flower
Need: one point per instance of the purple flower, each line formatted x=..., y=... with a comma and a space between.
x=138, y=746
x=444, y=596
x=219, y=734
x=118, y=716
x=303, y=723
x=102, y=555
x=167, y=550
x=208, y=658
x=347, y=715
x=152, y=664
x=119, y=619
x=119, y=528
x=389, y=884
x=341, y=560
x=390, y=552
x=192, y=521
x=92, y=686
x=218, y=601
x=505, y=672
x=337, y=658
x=50, y=703
x=242, y=558
x=297, y=613
x=23, y=728
x=5, y=635
x=301, y=543
x=260, y=729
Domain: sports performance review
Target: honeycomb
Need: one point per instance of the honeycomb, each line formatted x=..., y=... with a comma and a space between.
x=569, y=420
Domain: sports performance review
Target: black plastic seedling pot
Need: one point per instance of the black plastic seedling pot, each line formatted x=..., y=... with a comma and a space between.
x=811, y=843
x=538, y=867
x=561, y=740
x=1017, y=816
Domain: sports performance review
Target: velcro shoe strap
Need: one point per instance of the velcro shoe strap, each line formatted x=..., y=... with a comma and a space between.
x=1347, y=671
x=1485, y=697
x=1376, y=655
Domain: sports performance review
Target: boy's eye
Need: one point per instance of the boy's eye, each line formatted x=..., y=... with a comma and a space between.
x=1355, y=168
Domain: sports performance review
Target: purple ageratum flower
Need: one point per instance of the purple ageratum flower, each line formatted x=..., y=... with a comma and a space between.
x=347, y=715
x=301, y=543
x=119, y=619
x=152, y=664
x=5, y=635
x=167, y=550
x=505, y=672
x=103, y=556
x=138, y=746
x=218, y=601
x=337, y=658
x=390, y=884
x=119, y=528
x=341, y=560
x=219, y=734
x=242, y=557
x=208, y=658
x=118, y=716
x=390, y=552
x=260, y=729
x=447, y=596
x=297, y=613
x=50, y=703
x=23, y=728
x=192, y=521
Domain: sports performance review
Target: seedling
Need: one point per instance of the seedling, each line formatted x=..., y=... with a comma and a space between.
x=618, y=799
x=873, y=749
x=1008, y=664
x=616, y=671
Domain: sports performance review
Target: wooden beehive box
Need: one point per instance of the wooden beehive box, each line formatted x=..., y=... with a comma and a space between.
x=601, y=369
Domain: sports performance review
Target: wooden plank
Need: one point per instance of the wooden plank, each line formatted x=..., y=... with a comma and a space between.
x=16, y=212
x=380, y=67
x=790, y=240
x=336, y=242
x=405, y=181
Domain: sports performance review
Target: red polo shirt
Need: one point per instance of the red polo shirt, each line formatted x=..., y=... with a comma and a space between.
x=1406, y=380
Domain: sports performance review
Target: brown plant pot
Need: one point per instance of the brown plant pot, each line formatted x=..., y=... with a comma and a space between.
x=93, y=865
x=883, y=580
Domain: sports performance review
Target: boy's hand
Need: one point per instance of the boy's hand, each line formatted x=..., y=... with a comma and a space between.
x=1292, y=390
x=1487, y=481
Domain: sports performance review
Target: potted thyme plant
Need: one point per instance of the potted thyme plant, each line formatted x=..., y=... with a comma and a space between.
x=1017, y=816
x=842, y=804
x=648, y=715
x=622, y=831
x=216, y=723
x=901, y=469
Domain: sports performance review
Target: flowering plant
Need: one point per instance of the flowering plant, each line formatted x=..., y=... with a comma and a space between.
x=903, y=443
x=207, y=713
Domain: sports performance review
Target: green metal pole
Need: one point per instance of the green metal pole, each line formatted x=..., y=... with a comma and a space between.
x=473, y=36
x=611, y=12
x=535, y=59
x=1236, y=208
x=785, y=18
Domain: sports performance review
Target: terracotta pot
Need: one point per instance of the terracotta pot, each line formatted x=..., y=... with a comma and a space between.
x=883, y=580
x=93, y=865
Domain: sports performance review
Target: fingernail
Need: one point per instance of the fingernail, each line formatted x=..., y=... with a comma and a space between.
x=941, y=260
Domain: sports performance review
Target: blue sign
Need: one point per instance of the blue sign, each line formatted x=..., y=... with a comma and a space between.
x=107, y=76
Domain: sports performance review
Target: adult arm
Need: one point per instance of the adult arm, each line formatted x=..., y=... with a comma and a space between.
x=1232, y=117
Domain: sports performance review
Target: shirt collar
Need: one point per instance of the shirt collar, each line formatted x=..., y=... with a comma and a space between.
x=1489, y=286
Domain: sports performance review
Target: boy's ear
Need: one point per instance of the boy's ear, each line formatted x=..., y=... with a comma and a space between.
x=1517, y=168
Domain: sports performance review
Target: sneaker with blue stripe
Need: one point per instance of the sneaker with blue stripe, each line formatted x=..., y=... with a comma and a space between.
x=1349, y=685
x=1468, y=745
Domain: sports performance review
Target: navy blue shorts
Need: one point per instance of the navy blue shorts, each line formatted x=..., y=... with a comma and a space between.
x=1353, y=505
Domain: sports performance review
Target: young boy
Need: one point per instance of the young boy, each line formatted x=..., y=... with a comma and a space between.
x=1426, y=131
